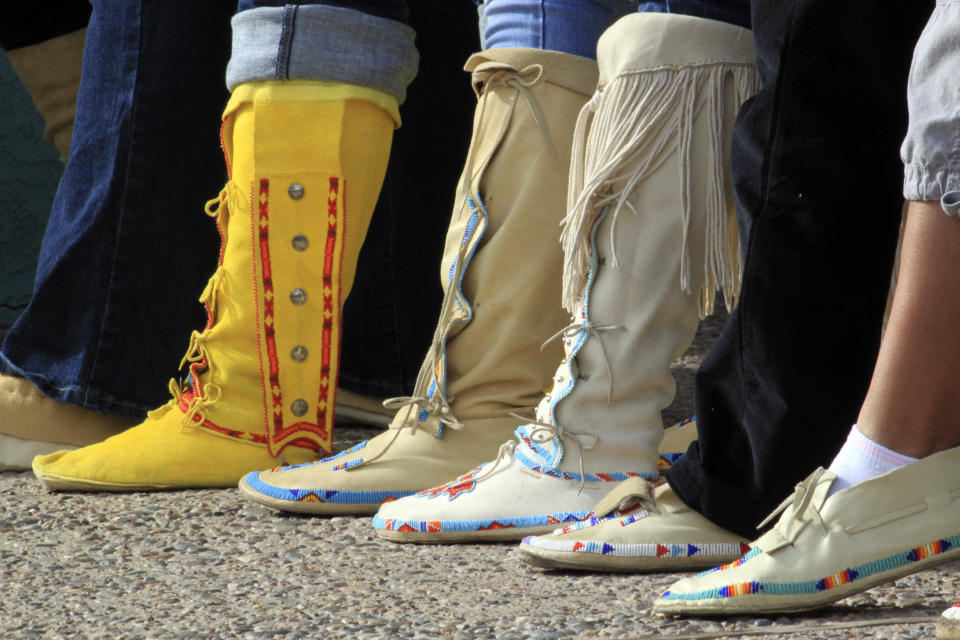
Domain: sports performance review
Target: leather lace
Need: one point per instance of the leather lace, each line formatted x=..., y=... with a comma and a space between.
x=484, y=81
x=575, y=329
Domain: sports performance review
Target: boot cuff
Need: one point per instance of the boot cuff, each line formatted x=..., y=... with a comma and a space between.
x=572, y=72
x=649, y=41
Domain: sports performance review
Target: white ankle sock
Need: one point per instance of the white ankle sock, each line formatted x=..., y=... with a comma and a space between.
x=861, y=458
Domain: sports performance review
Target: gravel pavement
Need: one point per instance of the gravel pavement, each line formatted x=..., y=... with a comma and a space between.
x=209, y=564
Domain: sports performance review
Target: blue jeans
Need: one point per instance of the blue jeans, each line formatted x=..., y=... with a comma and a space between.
x=105, y=324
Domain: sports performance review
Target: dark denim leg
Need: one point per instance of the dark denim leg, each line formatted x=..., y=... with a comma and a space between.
x=817, y=175
x=128, y=247
x=392, y=311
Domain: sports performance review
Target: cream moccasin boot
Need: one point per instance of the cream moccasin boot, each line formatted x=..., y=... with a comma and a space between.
x=260, y=378
x=500, y=262
x=824, y=548
x=650, y=235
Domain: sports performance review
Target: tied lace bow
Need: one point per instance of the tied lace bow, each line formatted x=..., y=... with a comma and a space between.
x=505, y=76
x=801, y=501
x=435, y=406
x=555, y=431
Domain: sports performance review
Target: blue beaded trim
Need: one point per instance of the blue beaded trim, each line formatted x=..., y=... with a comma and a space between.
x=805, y=587
x=551, y=456
x=753, y=553
x=585, y=316
x=671, y=458
x=321, y=495
x=592, y=521
x=613, y=476
x=475, y=213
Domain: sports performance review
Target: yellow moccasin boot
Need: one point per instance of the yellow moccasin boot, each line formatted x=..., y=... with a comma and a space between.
x=306, y=162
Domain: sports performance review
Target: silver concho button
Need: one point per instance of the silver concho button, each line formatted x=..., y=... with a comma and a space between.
x=300, y=243
x=299, y=407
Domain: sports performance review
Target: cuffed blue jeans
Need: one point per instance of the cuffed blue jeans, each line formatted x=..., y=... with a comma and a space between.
x=366, y=42
x=119, y=267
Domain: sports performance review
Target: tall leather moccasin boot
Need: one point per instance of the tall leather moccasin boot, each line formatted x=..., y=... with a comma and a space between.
x=306, y=162
x=649, y=236
x=50, y=71
x=501, y=272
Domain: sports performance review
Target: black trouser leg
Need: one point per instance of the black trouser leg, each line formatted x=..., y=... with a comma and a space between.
x=818, y=181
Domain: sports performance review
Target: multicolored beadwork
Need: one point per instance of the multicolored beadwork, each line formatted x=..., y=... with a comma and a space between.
x=647, y=549
x=455, y=488
x=825, y=583
x=282, y=433
x=476, y=226
x=594, y=520
x=433, y=526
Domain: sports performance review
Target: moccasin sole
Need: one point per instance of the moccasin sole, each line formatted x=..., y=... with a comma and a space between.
x=58, y=483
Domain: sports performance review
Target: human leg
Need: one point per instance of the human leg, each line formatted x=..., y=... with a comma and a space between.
x=843, y=532
x=84, y=340
x=812, y=288
x=838, y=536
x=916, y=381
x=312, y=138
x=778, y=392
x=830, y=543
x=647, y=183
x=485, y=359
